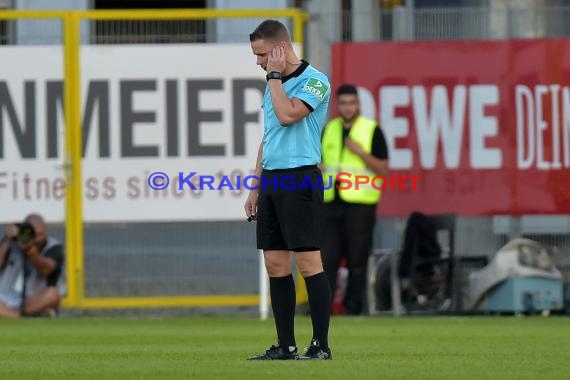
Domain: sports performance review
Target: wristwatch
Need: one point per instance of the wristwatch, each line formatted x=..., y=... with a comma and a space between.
x=273, y=75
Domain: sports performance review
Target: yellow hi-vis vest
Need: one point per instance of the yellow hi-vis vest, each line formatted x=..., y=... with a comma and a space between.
x=337, y=159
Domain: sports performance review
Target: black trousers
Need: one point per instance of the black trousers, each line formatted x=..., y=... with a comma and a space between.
x=348, y=232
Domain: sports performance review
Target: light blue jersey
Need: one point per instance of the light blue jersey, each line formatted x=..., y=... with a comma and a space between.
x=297, y=144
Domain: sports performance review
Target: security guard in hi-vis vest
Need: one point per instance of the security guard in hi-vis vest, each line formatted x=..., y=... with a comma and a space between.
x=354, y=146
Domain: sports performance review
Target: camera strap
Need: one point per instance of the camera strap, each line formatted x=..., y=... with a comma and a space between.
x=24, y=280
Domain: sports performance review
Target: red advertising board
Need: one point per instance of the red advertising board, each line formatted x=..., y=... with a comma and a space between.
x=485, y=123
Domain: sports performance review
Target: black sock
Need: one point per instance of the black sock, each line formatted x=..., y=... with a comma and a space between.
x=283, y=301
x=319, y=292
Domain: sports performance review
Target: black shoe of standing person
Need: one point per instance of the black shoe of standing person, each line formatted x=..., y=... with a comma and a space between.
x=277, y=353
x=317, y=352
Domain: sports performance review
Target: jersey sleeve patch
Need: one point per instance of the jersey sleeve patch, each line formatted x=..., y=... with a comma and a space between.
x=316, y=87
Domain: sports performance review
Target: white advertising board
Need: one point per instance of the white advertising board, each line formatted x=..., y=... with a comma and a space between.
x=175, y=109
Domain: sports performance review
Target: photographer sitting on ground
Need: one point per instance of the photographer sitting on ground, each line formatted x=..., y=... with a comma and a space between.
x=32, y=279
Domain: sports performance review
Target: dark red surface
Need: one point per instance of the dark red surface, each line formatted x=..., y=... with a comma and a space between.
x=467, y=190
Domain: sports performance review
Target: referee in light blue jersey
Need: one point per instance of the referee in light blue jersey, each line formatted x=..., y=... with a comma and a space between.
x=287, y=204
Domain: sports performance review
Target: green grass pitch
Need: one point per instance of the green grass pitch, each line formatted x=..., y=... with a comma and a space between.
x=216, y=348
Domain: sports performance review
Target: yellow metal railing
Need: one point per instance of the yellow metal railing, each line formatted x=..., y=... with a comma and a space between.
x=74, y=198
x=297, y=16
x=74, y=243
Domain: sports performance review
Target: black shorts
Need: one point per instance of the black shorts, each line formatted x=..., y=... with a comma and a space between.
x=289, y=209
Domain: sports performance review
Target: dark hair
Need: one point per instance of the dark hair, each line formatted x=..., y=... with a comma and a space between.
x=346, y=89
x=270, y=30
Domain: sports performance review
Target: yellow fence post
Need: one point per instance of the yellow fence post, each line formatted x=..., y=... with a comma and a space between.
x=73, y=147
x=298, y=27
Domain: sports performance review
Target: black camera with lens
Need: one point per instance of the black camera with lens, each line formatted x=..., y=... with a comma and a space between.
x=26, y=232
